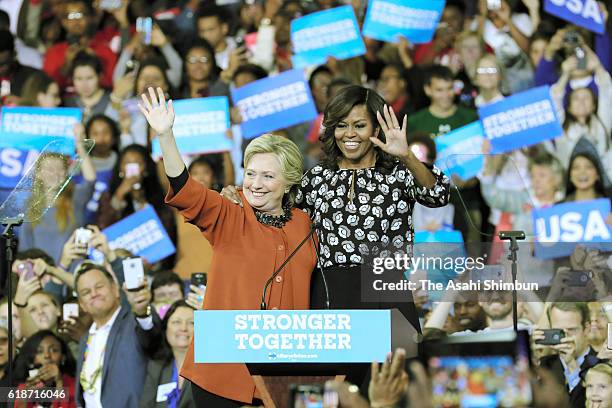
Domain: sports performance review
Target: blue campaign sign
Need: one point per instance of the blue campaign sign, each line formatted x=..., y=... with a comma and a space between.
x=33, y=128
x=583, y=13
x=416, y=20
x=328, y=33
x=457, y=151
x=580, y=222
x=300, y=336
x=200, y=126
x=14, y=163
x=520, y=120
x=141, y=233
x=274, y=103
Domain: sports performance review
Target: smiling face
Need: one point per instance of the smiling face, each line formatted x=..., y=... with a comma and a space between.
x=179, y=331
x=598, y=389
x=352, y=136
x=264, y=184
x=583, y=174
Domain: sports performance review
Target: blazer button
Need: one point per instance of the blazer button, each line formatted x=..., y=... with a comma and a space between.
x=279, y=279
x=281, y=247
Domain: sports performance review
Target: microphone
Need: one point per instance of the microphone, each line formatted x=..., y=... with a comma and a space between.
x=280, y=268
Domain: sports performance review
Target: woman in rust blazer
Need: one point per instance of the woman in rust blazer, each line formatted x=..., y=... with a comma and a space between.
x=249, y=243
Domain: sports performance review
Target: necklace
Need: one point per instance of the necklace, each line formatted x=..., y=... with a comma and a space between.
x=277, y=221
x=89, y=384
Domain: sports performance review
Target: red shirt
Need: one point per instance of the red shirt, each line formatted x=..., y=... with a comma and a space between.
x=69, y=402
x=56, y=57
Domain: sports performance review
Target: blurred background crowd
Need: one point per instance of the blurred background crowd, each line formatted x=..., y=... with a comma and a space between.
x=91, y=55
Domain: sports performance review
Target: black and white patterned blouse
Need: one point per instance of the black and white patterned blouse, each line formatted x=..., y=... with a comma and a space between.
x=366, y=213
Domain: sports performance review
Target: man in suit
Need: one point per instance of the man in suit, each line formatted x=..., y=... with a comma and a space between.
x=575, y=356
x=111, y=363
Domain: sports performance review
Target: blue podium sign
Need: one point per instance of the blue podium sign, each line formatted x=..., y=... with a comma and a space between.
x=292, y=336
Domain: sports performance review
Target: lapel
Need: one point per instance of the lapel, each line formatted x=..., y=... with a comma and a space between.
x=80, y=362
x=110, y=343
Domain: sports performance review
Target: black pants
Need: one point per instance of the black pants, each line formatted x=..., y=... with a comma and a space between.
x=205, y=399
x=344, y=285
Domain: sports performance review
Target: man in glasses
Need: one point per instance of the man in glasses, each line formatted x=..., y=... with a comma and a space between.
x=76, y=21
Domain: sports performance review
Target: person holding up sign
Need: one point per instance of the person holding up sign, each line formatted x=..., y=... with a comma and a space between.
x=583, y=114
x=249, y=243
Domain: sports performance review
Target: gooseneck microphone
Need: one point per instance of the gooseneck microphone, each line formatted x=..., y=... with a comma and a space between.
x=280, y=268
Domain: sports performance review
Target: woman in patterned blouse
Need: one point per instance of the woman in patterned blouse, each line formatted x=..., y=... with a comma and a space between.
x=362, y=196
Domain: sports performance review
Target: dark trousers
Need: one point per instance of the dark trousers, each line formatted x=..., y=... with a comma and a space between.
x=344, y=285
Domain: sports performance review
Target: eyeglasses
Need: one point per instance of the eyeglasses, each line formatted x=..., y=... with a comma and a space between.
x=483, y=70
x=75, y=16
x=197, y=60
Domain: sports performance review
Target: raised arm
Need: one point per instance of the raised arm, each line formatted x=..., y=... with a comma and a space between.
x=161, y=118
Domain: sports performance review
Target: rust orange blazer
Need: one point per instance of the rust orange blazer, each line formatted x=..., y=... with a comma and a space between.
x=245, y=254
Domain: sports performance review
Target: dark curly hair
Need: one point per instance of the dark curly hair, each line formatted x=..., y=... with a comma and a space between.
x=25, y=360
x=151, y=185
x=339, y=108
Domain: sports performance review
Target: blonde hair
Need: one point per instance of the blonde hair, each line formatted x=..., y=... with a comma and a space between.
x=602, y=368
x=288, y=154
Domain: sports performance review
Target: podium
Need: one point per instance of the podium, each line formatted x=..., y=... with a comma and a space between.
x=372, y=334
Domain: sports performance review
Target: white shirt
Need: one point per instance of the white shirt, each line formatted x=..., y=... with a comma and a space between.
x=502, y=42
x=223, y=57
x=12, y=8
x=98, y=337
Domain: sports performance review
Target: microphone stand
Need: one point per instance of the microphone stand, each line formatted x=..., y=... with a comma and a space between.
x=513, y=236
x=322, y=273
x=10, y=242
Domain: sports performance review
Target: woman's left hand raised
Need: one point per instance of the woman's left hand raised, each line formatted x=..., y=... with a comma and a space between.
x=396, y=142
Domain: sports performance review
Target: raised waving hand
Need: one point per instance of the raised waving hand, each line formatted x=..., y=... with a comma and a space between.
x=159, y=114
